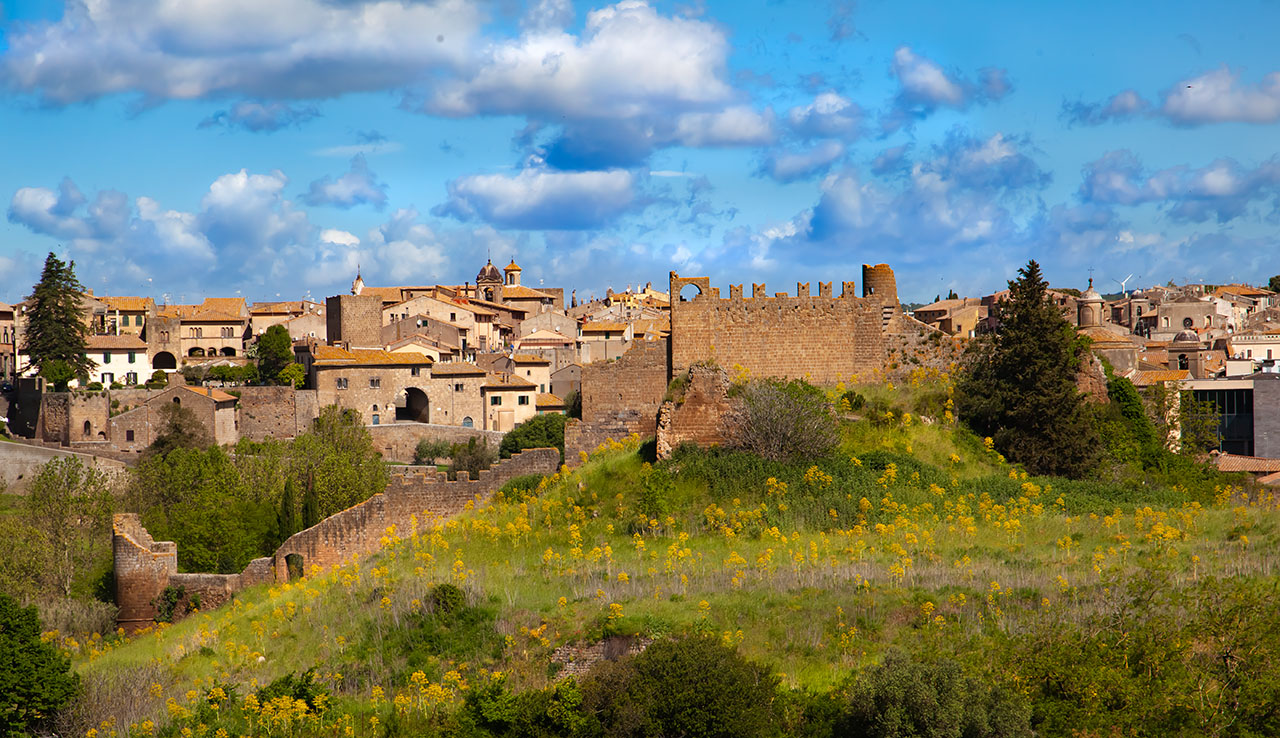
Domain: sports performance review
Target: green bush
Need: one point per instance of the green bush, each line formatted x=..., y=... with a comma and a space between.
x=471, y=457
x=783, y=420
x=540, y=431
x=296, y=687
x=691, y=686
x=904, y=698
x=429, y=451
x=35, y=678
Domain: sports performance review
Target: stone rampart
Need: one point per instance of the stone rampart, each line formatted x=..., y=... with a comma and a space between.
x=21, y=461
x=619, y=398
x=144, y=567
x=823, y=338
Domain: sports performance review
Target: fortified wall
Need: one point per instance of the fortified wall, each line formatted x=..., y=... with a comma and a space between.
x=145, y=567
x=821, y=337
x=698, y=416
x=619, y=397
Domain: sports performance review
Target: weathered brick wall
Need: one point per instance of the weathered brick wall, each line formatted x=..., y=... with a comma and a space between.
x=399, y=441
x=267, y=412
x=824, y=338
x=635, y=382
x=700, y=417
x=144, y=567
x=355, y=320
x=577, y=660
x=581, y=437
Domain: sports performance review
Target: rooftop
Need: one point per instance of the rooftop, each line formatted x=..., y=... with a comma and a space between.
x=507, y=382
x=546, y=399
x=456, y=369
x=338, y=356
x=128, y=304
x=213, y=394
x=122, y=342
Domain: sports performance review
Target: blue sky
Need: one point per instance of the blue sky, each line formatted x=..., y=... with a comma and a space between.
x=199, y=148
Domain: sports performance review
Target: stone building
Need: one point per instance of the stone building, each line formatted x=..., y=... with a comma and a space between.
x=526, y=366
x=126, y=314
x=508, y=400
x=136, y=428
x=8, y=352
x=373, y=382
x=120, y=358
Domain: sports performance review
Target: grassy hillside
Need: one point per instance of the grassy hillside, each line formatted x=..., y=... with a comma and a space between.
x=915, y=536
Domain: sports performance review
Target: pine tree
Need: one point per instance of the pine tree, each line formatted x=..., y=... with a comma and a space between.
x=56, y=328
x=1019, y=384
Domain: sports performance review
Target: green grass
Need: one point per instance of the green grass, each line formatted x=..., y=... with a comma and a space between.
x=815, y=581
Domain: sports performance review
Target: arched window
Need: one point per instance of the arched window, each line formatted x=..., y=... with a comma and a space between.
x=88, y=429
x=467, y=422
x=1182, y=361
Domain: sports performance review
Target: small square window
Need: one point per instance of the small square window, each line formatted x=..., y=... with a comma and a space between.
x=495, y=400
x=522, y=400
x=375, y=382
x=340, y=383
x=128, y=436
x=415, y=371
x=458, y=386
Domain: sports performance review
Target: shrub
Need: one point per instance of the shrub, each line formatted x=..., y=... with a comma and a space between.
x=430, y=450
x=471, y=457
x=540, y=431
x=35, y=679
x=296, y=687
x=783, y=420
x=159, y=379
x=902, y=697
x=691, y=686
x=447, y=599
x=94, y=387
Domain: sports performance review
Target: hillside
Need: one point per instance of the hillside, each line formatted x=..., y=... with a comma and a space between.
x=1098, y=602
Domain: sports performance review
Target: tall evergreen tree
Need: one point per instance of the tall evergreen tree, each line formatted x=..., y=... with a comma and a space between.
x=1019, y=384
x=56, y=329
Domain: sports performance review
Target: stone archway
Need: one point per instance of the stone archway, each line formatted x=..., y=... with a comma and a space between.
x=417, y=407
x=164, y=360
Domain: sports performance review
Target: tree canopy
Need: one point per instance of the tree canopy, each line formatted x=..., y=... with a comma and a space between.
x=275, y=352
x=1018, y=384
x=56, y=329
x=35, y=678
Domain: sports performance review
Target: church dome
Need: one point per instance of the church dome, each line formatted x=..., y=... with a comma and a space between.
x=1187, y=337
x=1091, y=295
x=489, y=273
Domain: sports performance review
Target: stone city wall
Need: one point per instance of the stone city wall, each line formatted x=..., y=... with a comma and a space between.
x=399, y=441
x=274, y=412
x=144, y=567
x=21, y=461
x=700, y=416
x=619, y=398
x=823, y=338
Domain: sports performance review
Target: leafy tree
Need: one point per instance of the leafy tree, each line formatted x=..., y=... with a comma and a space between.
x=58, y=373
x=472, y=458
x=692, y=686
x=182, y=429
x=1185, y=425
x=573, y=404
x=428, y=451
x=275, y=352
x=783, y=420
x=336, y=462
x=540, y=431
x=293, y=375
x=35, y=679
x=1273, y=284
x=902, y=698
x=1018, y=385
x=69, y=508
x=56, y=328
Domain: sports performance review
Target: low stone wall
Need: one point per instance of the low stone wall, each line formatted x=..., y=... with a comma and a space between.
x=21, y=461
x=577, y=660
x=144, y=567
x=398, y=441
x=585, y=437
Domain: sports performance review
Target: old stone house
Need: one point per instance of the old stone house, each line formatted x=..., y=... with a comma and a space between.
x=508, y=400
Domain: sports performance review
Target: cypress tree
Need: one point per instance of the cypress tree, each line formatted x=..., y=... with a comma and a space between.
x=1018, y=385
x=310, y=507
x=56, y=329
x=287, y=518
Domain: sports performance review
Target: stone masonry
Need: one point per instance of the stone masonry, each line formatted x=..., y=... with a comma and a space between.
x=823, y=338
x=144, y=567
x=619, y=398
x=699, y=416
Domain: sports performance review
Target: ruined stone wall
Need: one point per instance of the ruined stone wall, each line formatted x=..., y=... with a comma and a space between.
x=399, y=441
x=635, y=382
x=619, y=398
x=823, y=338
x=144, y=567
x=20, y=462
x=700, y=416
x=359, y=529
x=267, y=412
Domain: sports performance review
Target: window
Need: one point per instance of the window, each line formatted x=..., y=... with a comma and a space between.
x=164, y=336
x=376, y=419
x=197, y=332
x=467, y=422
x=1182, y=361
x=522, y=400
x=108, y=378
x=495, y=400
x=375, y=382
x=1187, y=322
x=128, y=436
x=415, y=371
x=340, y=383
x=106, y=357
x=606, y=335
x=131, y=378
x=1139, y=311
x=542, y=388
x=133, y=356
x=458, y=386
x=453, y=317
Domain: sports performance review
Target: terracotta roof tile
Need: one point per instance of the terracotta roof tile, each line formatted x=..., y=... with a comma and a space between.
x=456, y=369
x=337, y=356
x=528, y=359
x=122, y=342
x=213, y=394
x=603, y=327
x=130, y=304
x=1234, y=463
x=507, y=381
x=1148, y=377
x=546, y=399
x=545, y=335
x=520, y=292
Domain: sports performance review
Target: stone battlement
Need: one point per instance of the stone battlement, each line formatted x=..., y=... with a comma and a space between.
x=821, y=337
x=144, y=567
